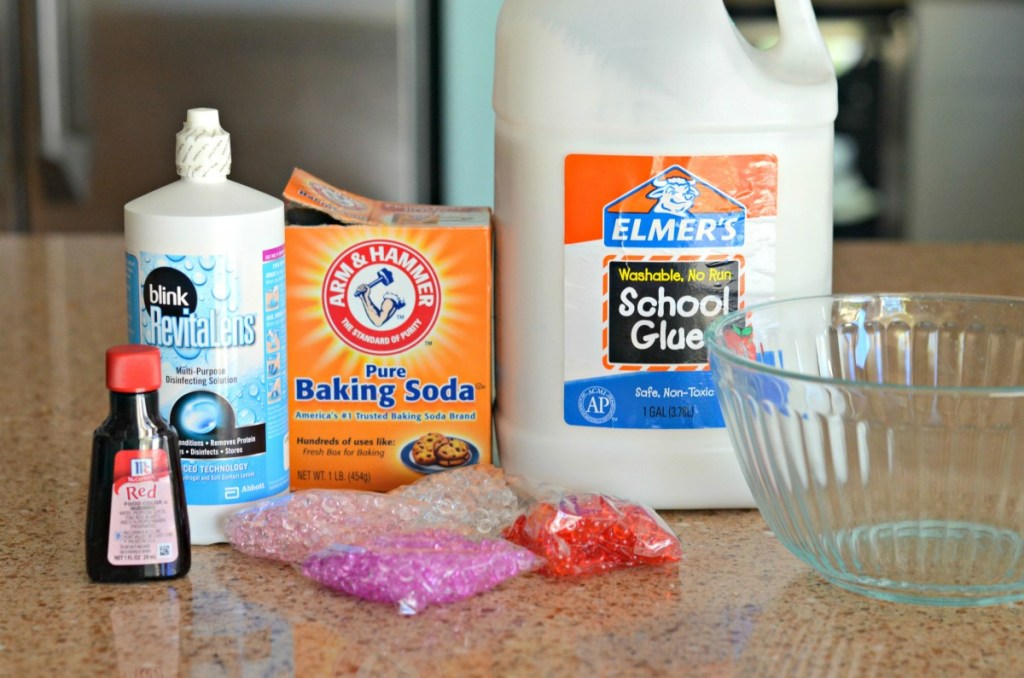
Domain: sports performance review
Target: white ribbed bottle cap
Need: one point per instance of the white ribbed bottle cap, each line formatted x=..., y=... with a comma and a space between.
x=203, y=149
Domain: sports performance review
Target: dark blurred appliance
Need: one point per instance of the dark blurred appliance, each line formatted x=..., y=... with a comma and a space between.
x=92, y=93
x=870, y=43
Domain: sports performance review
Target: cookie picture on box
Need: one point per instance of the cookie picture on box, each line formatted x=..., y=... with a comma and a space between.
x=432, y=452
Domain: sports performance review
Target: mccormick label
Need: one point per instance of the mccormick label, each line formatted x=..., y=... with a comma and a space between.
x=142, y=526
x=657, y=248
x=390, y=325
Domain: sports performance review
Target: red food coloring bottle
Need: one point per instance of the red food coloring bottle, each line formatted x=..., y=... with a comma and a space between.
x=136, y=523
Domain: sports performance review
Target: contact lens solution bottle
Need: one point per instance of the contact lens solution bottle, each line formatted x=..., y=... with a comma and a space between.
x=137, y=523
x=206, y=285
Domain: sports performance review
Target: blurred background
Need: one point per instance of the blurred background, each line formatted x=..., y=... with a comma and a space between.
x=391, y=98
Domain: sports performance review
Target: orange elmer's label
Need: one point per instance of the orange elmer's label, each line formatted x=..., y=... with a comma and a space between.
x=657, y=248
x=389, y=321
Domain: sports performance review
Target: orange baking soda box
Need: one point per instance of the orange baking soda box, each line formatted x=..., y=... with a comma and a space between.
x=389, y=337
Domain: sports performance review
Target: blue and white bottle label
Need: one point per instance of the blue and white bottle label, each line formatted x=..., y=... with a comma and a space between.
x=219, y=322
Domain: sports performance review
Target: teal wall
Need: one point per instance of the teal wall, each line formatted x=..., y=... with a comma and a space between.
x=467, y=119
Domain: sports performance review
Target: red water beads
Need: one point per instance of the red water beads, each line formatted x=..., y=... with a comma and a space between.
x=590, y=533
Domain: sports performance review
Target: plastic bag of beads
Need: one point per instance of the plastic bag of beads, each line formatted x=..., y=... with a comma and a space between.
x=292, y=526
x=589, y=533
x=417, y=569
x=475, y=500
x=476, y=497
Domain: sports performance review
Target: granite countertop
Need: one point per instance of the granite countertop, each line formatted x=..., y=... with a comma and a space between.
x=738, y=604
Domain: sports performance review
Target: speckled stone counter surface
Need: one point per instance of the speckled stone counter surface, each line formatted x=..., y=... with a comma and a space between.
x=739, y=604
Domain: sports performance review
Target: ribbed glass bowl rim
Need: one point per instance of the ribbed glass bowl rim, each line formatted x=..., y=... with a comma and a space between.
x=713, y=338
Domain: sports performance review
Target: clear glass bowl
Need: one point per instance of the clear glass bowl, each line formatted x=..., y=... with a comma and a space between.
x=882, y=437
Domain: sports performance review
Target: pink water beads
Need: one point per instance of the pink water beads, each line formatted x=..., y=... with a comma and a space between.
x=417, y=569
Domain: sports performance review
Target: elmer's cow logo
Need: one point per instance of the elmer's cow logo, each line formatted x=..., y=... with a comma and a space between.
x=381, y=297
x=674, y=209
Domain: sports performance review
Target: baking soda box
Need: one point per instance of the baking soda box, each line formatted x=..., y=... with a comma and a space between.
x=389, y=337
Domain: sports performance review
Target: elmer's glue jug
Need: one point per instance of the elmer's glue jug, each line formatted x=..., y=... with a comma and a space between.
x=653, y=172
x=206, y=277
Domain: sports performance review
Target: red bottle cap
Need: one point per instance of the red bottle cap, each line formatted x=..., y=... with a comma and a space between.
x=133, y=368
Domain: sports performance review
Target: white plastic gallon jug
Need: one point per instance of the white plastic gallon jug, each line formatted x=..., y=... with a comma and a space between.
x=653, y=171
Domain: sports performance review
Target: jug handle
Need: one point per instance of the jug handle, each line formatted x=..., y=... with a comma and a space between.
x=801, y=50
